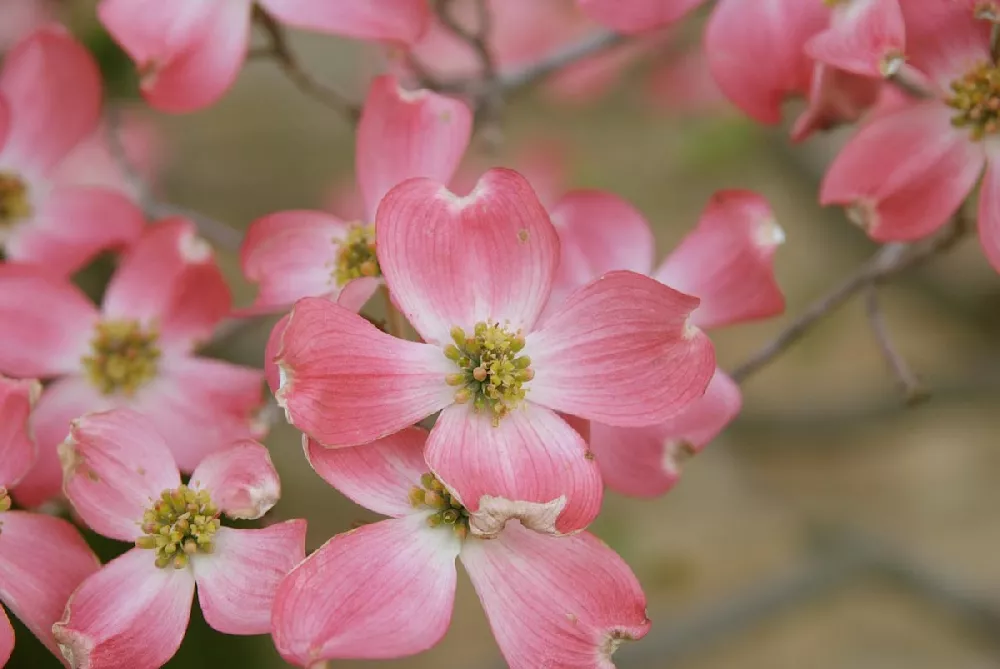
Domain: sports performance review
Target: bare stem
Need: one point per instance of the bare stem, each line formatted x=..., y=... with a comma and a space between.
x=913, y=390
x=286, y=59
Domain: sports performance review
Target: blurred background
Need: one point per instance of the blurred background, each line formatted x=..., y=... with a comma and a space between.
x=829, y=527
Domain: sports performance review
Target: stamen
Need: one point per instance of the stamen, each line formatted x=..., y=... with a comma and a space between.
x=976, y=98
x=448, y=512
x=14, y=202
x=356, y=257
x=492, y=373
x=5, y=502
x=123, y=358
x=182, y=523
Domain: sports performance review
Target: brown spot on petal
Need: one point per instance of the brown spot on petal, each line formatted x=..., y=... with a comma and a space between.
x=523, y=235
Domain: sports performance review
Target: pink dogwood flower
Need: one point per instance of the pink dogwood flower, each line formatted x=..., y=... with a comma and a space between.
x=122, y=481
x=42, y=559
x=20, y=17
x=50, y=97
x=402, y=134
x=386, y=589
x=189, y=52
x=904, y=174
x=727, y=261
x=472, y=275
x=136, y=351
x=762, y=52
x=633, y=16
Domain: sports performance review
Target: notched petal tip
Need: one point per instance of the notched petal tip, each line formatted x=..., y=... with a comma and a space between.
x=675, y=454
x=493, y=513
x=194, y=249
x=891, y=63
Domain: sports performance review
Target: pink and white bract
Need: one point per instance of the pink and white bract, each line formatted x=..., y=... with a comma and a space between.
x=42, y=559
x=904, y=174
x=726, y=261
x=386, y=590
x=402, y=134
x=122, y=481
x=136, y=351
x=50, y=100
x=472, y=275
x=189, y=52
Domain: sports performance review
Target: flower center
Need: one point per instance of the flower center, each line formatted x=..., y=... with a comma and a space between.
x=4, y=499
x=14, y=203
x=431, y=494
x=178, y=525
x=356, y=255
x=493, y=374
x=976, y=99
x=123, y=357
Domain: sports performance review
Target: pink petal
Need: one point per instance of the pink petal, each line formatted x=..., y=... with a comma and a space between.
x=42, y=561
x=237, y=583
x=397, y=601
x=728, y=261
x=944, y=39
x=405, y=134
x=556, y=602
x=755, y=51
x=73, y=225
x=17, y=444
x=201, y=405
x=241, y=480
x=114, y=464
x=6, y=638
x=170, y=279
x=345, y=382
x=646, y=461
x=835, y=97
x=621, y=350
x=866, y=37
x=989, y=213
x=271, y=371
x=632, y=16
x=46, y=323
x=290, y=255
x=194, y=50
x=378, y=476
x=532, y=466
x=454, y=261
x=387, y=20
x=598, y=232
x=61, y=402
x=53, y=89
x=129, y=614
x=904, y=174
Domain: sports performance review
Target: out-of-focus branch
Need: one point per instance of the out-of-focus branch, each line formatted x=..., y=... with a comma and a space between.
x=588, y=46
x=913, y=390
x=889, y=261
x=215, y=231
x=279, y=50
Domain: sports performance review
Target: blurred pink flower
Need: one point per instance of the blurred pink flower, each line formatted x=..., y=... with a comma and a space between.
x=472, y=275
x=42, y=559
x=189, y=52
x=726, y=261
x=386, y=590
x=50, y=95
x=762, y=52
x=122, y=481
x=402, y=134
x=20, y=17
x=633, y=16
x=166, y=297
x=904, y=174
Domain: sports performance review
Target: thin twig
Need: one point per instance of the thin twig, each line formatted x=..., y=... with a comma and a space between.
x=913, y=390
x=286, y=59
x=890, y=260
x=589, y=45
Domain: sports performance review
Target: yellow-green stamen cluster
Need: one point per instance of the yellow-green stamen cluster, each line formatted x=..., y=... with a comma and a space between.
x=976, y=99
x=356, y=256
x=493, y=374
x=4, y=500
x=178, y=525
x=14, y=202
x=448, y=512
x=123, y=357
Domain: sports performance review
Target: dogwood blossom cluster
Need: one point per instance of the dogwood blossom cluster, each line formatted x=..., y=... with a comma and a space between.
x=534, y=352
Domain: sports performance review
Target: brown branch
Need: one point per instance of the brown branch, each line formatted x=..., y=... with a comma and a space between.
x=889, y=261
x=282, y=53
x=913, y=390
